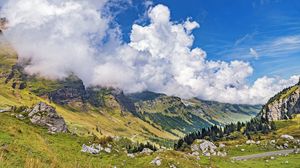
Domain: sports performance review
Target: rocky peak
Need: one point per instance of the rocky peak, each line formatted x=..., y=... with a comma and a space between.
x=125, y=102
x=71, y=91
x=283, y=105
x=46, y=116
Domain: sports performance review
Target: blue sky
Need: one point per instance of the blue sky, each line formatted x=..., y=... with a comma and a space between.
x=265, y=33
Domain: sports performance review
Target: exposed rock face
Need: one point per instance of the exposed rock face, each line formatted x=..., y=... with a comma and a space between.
x=283, y=106
x=72, y=91
x=125, y=103
x=46, y=116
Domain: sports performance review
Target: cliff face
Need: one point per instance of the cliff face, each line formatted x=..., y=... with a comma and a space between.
x=283, y=105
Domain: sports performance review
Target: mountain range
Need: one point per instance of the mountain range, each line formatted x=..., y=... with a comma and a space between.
x=147, y=113
x=45, y=121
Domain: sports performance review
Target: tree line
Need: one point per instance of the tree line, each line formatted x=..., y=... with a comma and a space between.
x=139, y=147
x=215, y=133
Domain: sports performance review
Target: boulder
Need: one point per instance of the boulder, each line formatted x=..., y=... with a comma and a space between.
x=4, y=110
x=288, y=137
x=221, y=145
x=206, y=154
x=207, y=146
x=195, y=153
x=248, y=142
x=172, y=166
x=20, y=116
x=221, y=154
x=195, y=147
x=157, y=161
x=107, y=150
x=131, y=155
x=46, y=116
x=146, y=151
x=90, y=149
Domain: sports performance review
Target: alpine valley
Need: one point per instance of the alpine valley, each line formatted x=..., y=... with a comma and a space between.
x=62, y=123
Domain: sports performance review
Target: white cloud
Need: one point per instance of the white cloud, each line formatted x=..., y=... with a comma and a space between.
x=68, y=36
x=254, y=53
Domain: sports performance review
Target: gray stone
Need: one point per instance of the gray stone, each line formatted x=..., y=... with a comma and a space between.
x=157, y=161
x=46, y=116
x=248, y=142
x=20, y=116
x=195, y=153
x=146, y=151
x=288, y=137
x=107, y=150
x=222, y=145
x=131, y=155
x=172, y=166
x=90, y=149
x=221, y=154
x=207, y=145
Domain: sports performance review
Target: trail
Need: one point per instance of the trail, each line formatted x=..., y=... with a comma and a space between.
x=266, y=154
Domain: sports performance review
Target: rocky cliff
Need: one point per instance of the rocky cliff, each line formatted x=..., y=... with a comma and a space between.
x=283, y=105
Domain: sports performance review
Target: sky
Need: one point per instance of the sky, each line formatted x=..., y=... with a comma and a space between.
x=235, y=51
x=265, y=33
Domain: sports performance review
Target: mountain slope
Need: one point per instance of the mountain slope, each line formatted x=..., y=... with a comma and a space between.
x=283, y=105
x=182, y=116
x=107, y=111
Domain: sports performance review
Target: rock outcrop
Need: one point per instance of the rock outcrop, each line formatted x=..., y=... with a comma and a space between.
x=283, y=105
x=207, y=148
x=46, y=116
x=3, y=23
x=71, y=91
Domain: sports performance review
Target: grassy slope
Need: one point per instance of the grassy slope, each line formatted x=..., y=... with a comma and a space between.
x=183, y=116
x=226, y=113
x=25, y=145
x=109, y=121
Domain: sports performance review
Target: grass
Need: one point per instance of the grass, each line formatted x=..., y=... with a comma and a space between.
x=30, y=146
x=25, y=145
x=291, y=127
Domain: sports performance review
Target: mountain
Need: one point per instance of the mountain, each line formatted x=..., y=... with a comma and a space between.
x=107, y=111
x=177, y=115
x=283, y=105
x=50, y=123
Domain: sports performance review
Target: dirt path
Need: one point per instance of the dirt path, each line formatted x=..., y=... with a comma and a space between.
x=266, y=154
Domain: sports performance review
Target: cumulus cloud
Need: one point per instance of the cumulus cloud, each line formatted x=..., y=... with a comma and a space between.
x=66, y=36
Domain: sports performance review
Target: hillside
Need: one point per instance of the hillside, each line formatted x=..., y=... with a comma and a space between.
x=137, y=116
x=283, y=105
x=25, y=145
x=93, y=114
x=174, y=114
